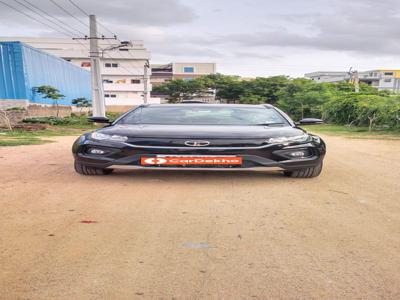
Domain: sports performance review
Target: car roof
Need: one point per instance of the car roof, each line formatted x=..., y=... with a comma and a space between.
x=207, y=105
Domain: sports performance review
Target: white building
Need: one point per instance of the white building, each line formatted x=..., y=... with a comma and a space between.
x=380, y=79
x=122, y=69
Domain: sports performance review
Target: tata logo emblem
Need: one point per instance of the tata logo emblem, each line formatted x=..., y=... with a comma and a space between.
x=197, y=143
x=155, y=161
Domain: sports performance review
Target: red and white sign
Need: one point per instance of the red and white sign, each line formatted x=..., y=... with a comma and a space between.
x=190, y=160
x=85, y=64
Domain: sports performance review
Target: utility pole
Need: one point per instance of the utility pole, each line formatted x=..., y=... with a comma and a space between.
x=146, y=81
x=98, y=103
x=99, y=107
x=354, y=79
x=356, y=82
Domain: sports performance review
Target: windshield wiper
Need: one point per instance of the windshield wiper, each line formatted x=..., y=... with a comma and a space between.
x=269, y=124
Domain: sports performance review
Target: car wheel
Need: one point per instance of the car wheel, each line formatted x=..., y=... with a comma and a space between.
x=85, y=170
x=305, y=173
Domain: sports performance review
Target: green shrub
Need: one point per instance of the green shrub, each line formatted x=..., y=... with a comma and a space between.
x=57, y=121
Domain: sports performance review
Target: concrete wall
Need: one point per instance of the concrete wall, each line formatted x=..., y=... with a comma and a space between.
x=9, y=103
x=48, y=111
x=31, y=111
x=119, y=108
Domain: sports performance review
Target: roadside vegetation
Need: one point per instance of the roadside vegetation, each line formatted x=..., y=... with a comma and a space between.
x=336, y=103
x=35, y=131
x=354, y=131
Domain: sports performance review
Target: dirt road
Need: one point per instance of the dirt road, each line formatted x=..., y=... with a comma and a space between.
x=186, y=235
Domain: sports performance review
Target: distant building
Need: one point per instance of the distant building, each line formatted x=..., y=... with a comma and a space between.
x=381, y=79
x=161, y=73
x=24, y=68
x=122, y=69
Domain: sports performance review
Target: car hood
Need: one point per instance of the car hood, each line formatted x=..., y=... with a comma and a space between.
x=201, y=131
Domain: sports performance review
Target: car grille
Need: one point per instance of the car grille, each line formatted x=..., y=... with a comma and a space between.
x=214, y=143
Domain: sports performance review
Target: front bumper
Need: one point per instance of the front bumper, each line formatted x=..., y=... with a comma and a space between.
x=123, y=155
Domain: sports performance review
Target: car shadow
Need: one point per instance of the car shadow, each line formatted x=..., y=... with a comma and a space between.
x=204, y=175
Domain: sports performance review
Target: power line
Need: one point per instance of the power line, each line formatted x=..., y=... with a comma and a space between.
x=87, y=14
x=33, y=18
x=79, y=8
x=53, y=17
x=68, y=13
x=84, y=12
x=46, y=16
x=101, y=25
x=129, y=63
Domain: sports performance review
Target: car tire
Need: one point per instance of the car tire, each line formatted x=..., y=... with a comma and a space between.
x=305, y=173
x=85, y=170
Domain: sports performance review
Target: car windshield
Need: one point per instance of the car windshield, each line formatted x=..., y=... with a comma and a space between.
x=204, y=115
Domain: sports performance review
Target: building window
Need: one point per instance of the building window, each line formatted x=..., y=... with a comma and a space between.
x=107, y=81
x=388, y=80
x=111, y=65
x=85, y=64
x=113, y=96
x=388, y=73
x=107, y=95
x=135, y=81
x=188, y=69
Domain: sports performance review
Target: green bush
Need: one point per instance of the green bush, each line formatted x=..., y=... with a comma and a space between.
x=364, y=110
x=73, y=120
x=57, y=121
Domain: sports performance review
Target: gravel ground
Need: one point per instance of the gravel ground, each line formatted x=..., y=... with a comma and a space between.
x=188, y=235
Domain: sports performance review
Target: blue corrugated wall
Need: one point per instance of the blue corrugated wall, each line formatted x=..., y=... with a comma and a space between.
x=12, y=81
x=22, y=68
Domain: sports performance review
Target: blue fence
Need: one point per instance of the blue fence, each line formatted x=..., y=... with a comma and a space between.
x=23, y=68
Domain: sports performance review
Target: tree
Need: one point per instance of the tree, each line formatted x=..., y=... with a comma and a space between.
x=303, y=98
x=178, y=90
x=227, y=88
x=299, y=97
x=81, y=103
x=267, y=88
x=52, y=93
x=252, y=99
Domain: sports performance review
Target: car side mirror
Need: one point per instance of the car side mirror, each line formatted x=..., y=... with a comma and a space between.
x=310, y=121
x=100, y=120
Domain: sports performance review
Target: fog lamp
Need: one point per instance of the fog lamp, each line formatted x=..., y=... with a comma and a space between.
x=96, y=151
x=297, y=154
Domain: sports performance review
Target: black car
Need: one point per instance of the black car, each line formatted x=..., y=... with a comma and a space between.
x=201, y=136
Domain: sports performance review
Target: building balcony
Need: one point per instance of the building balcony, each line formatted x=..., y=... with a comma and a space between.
x=124, y=87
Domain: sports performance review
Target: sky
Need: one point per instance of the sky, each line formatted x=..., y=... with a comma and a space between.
x=244, y=37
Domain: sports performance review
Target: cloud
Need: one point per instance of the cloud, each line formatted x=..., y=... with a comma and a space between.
x=367, y=27
x=249, y=36
x=116, y=12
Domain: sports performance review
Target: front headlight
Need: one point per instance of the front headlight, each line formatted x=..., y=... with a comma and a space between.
x=289, y=139
x=108, y=137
